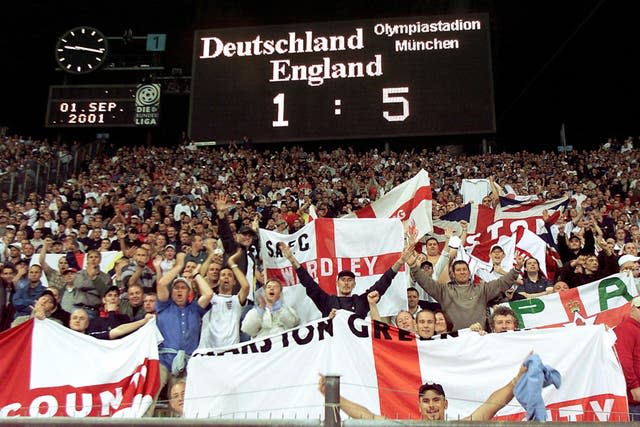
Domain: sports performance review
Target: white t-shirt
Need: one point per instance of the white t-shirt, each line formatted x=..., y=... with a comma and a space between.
x=474, y=190
x=221, y=324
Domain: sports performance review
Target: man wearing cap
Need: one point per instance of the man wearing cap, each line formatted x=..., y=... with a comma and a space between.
x=15, y=254
x=496, y=256
x=28, y=289
x=432, y=402
x=178, y=319
x=68, y=290
x=345, y=283
x=628, y=348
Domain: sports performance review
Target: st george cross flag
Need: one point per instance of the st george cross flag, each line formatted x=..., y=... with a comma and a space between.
x=410, y=201
x=50, y=370
x=603, y=301
x=367, y=247
x=382, y=368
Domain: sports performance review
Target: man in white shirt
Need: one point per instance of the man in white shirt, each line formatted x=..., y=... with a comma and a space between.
x=221, y=324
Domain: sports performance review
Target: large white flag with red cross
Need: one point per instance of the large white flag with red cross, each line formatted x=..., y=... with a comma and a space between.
x=382, y=368
x=410, y=201
x=324, y=247
x=49, y=370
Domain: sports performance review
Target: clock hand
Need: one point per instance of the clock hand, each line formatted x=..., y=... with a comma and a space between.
x=88, y=49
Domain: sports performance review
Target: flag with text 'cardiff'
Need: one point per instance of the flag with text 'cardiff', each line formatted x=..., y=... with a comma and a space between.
x=49, y=370
x=381, y=368
x=325, y=246
x=410, y=201
x=603, y=301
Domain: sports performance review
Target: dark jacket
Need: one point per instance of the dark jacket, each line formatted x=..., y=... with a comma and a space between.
x=355, y=303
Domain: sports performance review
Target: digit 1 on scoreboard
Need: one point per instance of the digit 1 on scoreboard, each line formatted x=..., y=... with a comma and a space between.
x=279, y=102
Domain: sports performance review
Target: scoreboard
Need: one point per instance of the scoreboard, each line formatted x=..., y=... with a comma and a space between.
x=349, y=79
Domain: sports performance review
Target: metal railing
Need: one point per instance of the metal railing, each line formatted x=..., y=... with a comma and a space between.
x=34, y=176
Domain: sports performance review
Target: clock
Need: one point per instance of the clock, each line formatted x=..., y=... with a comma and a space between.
x=81, y=50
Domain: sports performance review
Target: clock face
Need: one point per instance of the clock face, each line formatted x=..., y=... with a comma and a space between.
x=81, y=50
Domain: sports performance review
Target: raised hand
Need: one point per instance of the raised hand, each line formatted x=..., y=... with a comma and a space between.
x=373, y=297
x=286, y=250
x=233, y=259
x=519, y=260
x=221, y=203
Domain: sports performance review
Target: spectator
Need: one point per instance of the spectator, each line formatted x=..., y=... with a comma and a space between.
x=138, y=272
x=412, y=302
x=179, y=319
x=533, y=284
x=46, y=306
x=425, y=324
x=628, y=348
x=79, y=322
x=503, y=319
x=271, y=315
x=91, y=284
x=176, y=398
x=464, y=302
x=133, y=305
x=221, y=324
x=345, y=283
x=442, y=322
x=109, y=316
x=28, y=289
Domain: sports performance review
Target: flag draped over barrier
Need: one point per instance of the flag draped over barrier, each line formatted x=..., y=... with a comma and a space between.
x=50, y=370
x=367, y=247
x=603, y=301
x=382, y=368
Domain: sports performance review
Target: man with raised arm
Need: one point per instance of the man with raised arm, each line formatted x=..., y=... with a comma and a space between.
x=433, y=402
x=464, y=301
x=179, y=319
x=345, y=283
x=221, y=324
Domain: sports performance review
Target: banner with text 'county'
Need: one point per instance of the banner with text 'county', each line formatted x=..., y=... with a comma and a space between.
x=49, y=370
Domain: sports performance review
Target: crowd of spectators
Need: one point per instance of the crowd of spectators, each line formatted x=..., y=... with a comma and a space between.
x=185, y=219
